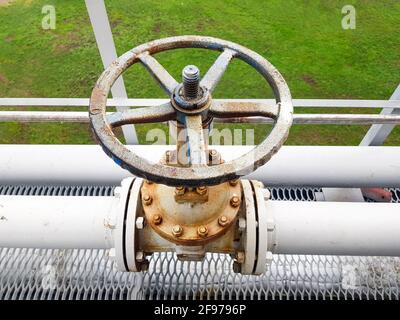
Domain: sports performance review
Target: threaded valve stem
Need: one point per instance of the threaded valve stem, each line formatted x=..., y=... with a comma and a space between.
x=191, y=80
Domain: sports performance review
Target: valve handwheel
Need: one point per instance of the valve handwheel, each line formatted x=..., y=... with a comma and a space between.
x=191, y=104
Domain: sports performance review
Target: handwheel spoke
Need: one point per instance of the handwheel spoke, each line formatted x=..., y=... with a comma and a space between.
x=195, y=139
x=160, y=113
x=164, y=79
x=215, y=73
x=243, y=109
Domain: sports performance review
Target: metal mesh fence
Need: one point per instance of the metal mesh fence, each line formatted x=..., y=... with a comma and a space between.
x=90, y=274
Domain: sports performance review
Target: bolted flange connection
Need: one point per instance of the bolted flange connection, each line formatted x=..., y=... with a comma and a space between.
x=191, y=80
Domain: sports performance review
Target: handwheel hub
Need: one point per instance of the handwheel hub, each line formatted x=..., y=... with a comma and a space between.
x=189, y=98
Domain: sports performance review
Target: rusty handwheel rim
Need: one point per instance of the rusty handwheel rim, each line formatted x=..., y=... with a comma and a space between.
x=195, y=175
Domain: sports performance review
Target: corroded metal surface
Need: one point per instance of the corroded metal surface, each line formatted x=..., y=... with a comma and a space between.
x=190, y=222
x=243, y=109
x=160, y=113
x=199, y=174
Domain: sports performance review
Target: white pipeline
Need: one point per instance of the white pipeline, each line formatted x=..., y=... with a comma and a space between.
x=336, y=228
x=345, y=167
x=56, y=222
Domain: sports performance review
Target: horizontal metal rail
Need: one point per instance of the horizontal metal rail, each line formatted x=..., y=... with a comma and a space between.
x=84, y=102
x=323, y=119
x=82, y=117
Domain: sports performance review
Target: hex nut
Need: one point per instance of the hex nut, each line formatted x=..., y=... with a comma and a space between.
x=242, y=224
x=202, y=231
x=140, y=223
x=157, y=219
x=235, y=201
x=180, y=191
x=223, y=221
x=201, y=190
x=147, y=199
x=177, y=230
x=140, y=256
x=234, y=183
x=240, y=256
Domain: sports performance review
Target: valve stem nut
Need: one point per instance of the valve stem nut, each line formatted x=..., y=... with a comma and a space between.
x=223, y=221
x=202, y=231
x=235, y=201
x=157, y=219
x=177, y=230
x=147, y=199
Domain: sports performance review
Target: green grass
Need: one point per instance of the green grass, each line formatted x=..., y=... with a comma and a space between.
x=303, y=39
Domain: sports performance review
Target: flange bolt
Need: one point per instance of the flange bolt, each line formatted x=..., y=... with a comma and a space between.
x=180, y=191
x=157, y=219
x=201, y=190
x=147, y=199
x=222, y=221
x=177, y=230
x=202, y=231
x=235, y=201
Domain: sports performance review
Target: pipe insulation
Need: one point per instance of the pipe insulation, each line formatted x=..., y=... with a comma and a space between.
x=318, y=166
x=335, y=228
x=56, y=222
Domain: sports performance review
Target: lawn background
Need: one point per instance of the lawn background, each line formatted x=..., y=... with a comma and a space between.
x=303, y=39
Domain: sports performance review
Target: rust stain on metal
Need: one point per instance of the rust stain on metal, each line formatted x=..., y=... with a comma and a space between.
x=97, y=101
x=199, y=223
